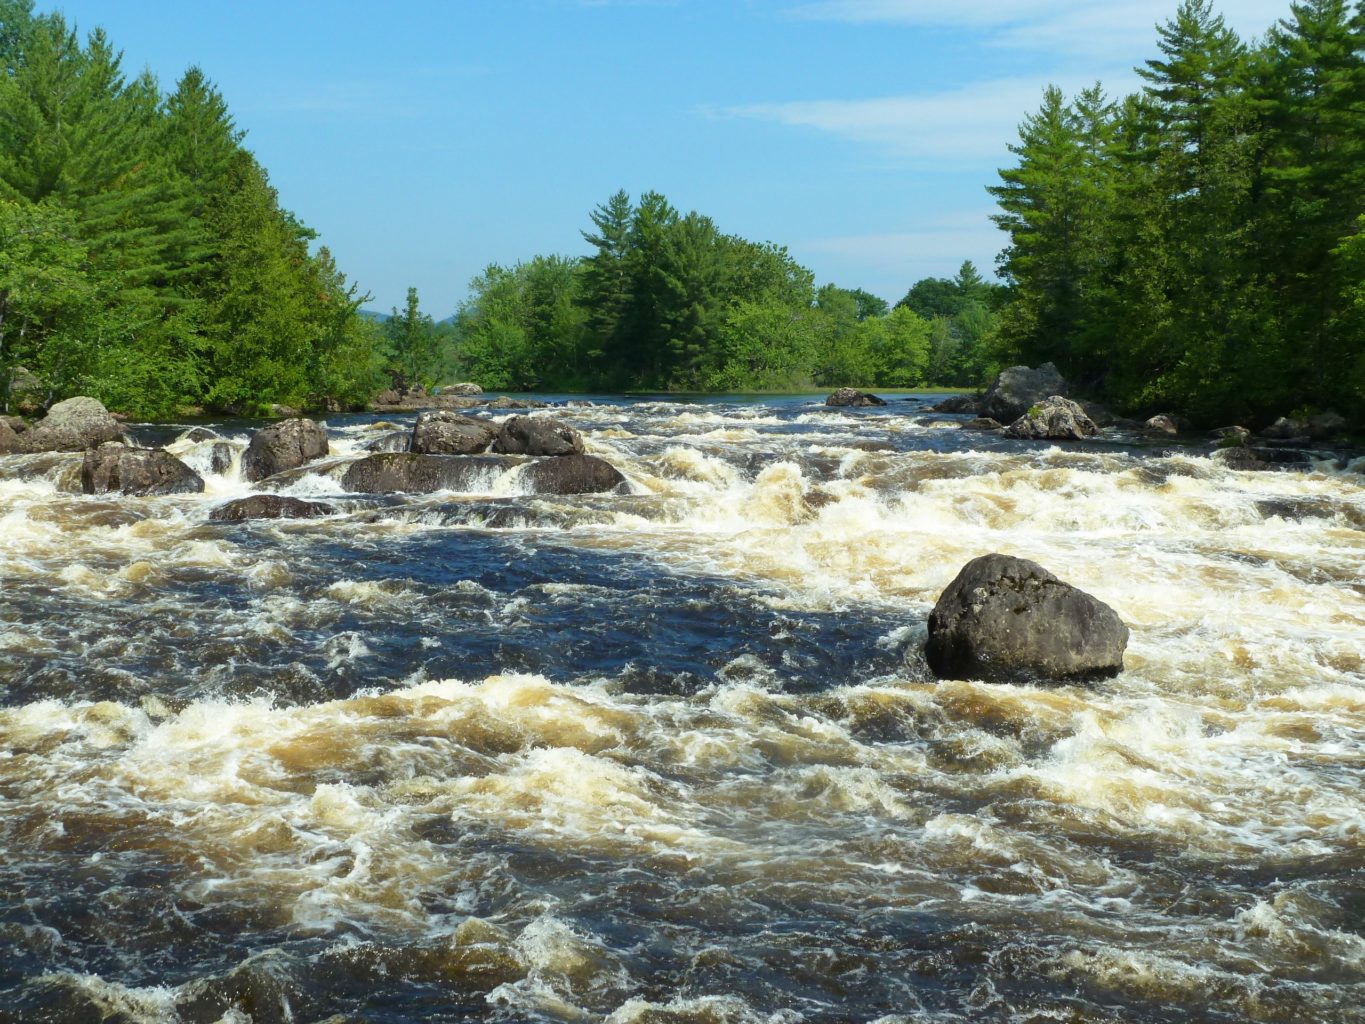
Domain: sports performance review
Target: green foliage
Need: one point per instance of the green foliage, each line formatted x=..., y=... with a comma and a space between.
x=1192, y=247
x=145, y=258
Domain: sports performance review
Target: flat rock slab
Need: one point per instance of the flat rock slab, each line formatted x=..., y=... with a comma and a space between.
x=269, y=506
x=413, y=473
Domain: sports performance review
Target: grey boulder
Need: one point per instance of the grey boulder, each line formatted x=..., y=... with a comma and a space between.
x=414, y=473
x=269, y=506
x=1009, y=620
x=1015, y=390
x=1053, y=419
x=852, y=397
x=75, y=425
x=115, y=468
x=537, y=435
x=284, y=445
x=449, y=433
x=571, y=474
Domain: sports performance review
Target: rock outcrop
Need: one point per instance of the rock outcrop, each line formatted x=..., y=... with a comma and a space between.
x=10, y=440
x=284, y=445
x=537, y=435
x=115, y=467
x=74, y=425
x=269, y=506
x=571, y=474
x=1016, y=390
x=448, y=433
x=1162, y=424
x=852, y=397
x=1009, y=620
x=413, y=473
x=465, y=389
x=1053, y=419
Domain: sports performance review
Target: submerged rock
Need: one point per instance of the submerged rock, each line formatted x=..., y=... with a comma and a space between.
x=983, y=423
x=1006, y=619
x=958, y=403
x=269, y=506
x=414, y=473
x=220, y=458
x=114, y=467
x=449, y=433
x=1053, y=419
x=1241, y=458
x=504, y=402
x=1016, y=390
x=284, y=445
x=74, y=425
x=537, y=435
x=197, y=434
x=572, y=474
x=853, y=397
x=393, y=441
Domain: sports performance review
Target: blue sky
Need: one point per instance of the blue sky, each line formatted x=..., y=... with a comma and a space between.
x=426, y=139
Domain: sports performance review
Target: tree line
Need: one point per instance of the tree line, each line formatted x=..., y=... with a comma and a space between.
x=667, y=301
x=144, y=257
x=1200, y=246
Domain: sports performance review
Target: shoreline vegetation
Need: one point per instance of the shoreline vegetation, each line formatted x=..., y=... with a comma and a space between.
x=1195, y=250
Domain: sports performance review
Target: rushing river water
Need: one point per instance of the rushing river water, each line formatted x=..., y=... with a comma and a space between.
x=674, y=755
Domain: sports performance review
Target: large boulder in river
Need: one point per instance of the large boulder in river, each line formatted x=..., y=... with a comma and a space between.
x=284, y=445
x=852, y=397
x=537, y=435
x=449, y=433
x=1016, y=390
x=115, y=467
x=464, y=388
x=413, y=473
x=1006, y=619
x=1053, y=419
x=571, y=474
x=74, y=425
x=269, y=506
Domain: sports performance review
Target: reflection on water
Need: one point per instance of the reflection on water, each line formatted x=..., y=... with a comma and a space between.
x=673, y=755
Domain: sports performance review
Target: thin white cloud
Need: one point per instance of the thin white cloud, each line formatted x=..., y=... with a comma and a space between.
x=889, y=261
x=1072, y=26
x=963, y=125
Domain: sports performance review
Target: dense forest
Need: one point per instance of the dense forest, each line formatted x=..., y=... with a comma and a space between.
x=667, y=301
x=1200, y=246
x=144, y=257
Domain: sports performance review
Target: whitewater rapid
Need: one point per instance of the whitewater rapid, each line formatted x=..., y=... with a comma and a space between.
x=673, y=754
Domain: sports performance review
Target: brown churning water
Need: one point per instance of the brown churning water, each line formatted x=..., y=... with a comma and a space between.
x=673, y=755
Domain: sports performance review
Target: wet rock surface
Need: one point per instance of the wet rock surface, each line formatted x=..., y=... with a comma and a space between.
x=852, y=397
x=449, y=433
x=283, y=446
x=114, y=467
x=414, y=473
x=1006, y=619
x=537, y=435
x=269, y=506
x=571, y=474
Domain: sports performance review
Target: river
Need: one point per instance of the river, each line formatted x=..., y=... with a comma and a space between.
x=674, y=755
